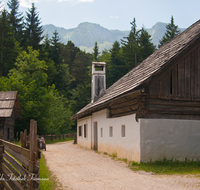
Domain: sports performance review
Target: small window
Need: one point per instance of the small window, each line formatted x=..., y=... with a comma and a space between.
x=98, y=68
x=123, y=130
x=101, y=132
x=111, y=131
x=79, y=130
x=85, y=130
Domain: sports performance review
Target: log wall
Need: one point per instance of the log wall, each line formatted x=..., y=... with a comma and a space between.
x=176, y=94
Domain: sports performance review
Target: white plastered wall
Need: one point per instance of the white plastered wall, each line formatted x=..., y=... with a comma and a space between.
x=81, y=140
x=125, y=147
x=169, y=138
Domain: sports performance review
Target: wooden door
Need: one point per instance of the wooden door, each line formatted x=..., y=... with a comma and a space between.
x=95, y=136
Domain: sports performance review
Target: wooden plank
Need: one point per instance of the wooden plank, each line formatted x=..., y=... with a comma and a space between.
x=120, y=110
x=187, y=76
x=198, y=71
x=16, y=148
x=17, y=186
x=174, y=102
x=181, y=78
x=174, y=108
x=15, y=164
x=10, y=168
x=195, y=72
x=7, y=178
x=5, y=184
x=32, y=148
x=21, y=158
x=127, y=103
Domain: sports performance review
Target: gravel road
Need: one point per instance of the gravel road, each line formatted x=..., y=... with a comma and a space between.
x=78, y=168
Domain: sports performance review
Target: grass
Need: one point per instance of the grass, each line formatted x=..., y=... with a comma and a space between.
x=168, y=167
x=52, y=182
x=48, y=141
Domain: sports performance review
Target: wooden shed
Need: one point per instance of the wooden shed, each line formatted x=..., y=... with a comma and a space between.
x=9, y=112
x=162, y=94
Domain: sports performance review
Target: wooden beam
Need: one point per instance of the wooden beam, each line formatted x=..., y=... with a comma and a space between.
x=173, y=102
x=15, y=164
x=17, y=186
x=18, y=149
x=21, y=158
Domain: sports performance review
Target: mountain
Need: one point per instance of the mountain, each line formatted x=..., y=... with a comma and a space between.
x=85, y=35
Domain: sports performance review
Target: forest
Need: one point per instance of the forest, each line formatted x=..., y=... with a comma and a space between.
x=53, y=80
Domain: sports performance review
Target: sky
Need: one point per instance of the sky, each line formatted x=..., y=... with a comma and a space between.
x=113, y=14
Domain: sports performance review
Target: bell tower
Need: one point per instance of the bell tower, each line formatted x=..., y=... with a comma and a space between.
x=98, y=80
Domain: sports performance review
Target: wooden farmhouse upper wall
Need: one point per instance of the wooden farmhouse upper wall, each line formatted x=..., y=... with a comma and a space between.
x=181, y=81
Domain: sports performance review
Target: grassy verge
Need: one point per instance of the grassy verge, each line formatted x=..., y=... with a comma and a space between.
x=48, y=141
x=52, y=182
x=168, y=167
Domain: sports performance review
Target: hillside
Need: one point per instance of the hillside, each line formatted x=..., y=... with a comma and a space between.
x=85, y=35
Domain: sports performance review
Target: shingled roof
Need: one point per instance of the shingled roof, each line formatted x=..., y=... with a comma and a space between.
x=8, y=102
x=149, y=67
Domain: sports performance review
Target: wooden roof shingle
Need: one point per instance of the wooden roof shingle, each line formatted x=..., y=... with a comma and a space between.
x=9, y=101
x=154, y=63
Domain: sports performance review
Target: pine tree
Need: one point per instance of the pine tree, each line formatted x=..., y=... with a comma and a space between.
x=115, y=69
x=33, y=30
x=55, y=49
x=146, y=46
x=8, y=51
x=131, y=48
x=15, y=19
x=96, y=51
x=171, y=32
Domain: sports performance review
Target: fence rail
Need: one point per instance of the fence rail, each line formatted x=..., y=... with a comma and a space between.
x=19, y=166
x=60, y=136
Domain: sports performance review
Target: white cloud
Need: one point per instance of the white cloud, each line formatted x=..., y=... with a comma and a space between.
x=116, y=17
x=27, y=3
x=83, y=1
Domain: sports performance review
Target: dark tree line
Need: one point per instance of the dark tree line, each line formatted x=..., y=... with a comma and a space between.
x=53, y=80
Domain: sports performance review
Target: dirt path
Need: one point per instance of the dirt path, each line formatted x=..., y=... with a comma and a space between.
x=81, y=169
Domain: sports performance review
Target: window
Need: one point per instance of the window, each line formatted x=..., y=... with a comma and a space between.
x=85, y=130
x=123, y=130
x=79, y=130
x=101, y=132
x=111, y=131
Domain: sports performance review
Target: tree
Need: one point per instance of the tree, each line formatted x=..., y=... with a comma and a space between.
x=38, y=101
x=171, y=32
x=15, y=19
x=33, y=29
x=96, y=51
x=146, y=46
x=8, y=46
x=131, y=48
x=116, y=67
x=55, y=49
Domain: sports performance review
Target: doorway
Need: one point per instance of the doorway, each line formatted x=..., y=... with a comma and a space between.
x=95, y=136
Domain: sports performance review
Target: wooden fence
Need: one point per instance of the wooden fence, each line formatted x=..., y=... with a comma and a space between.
x=19, y=166
x=60, y=136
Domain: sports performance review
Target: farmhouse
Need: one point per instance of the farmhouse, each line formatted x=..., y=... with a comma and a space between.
x=9, y=112
x=153, y=111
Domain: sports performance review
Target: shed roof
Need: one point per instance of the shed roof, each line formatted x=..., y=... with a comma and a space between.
x=9, y=101
x=150, y=66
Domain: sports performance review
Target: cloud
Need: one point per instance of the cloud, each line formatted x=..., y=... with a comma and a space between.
x=83, y=1
x=27, y=3
x=116, y=17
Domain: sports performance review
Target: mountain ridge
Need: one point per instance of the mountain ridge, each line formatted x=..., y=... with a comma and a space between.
x=86, y=34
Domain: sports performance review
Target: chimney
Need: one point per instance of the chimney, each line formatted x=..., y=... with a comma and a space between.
x=98, y=80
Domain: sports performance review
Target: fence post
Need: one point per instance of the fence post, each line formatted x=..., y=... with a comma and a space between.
x=33, y=133
x=51, y=137
x=1, y=159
